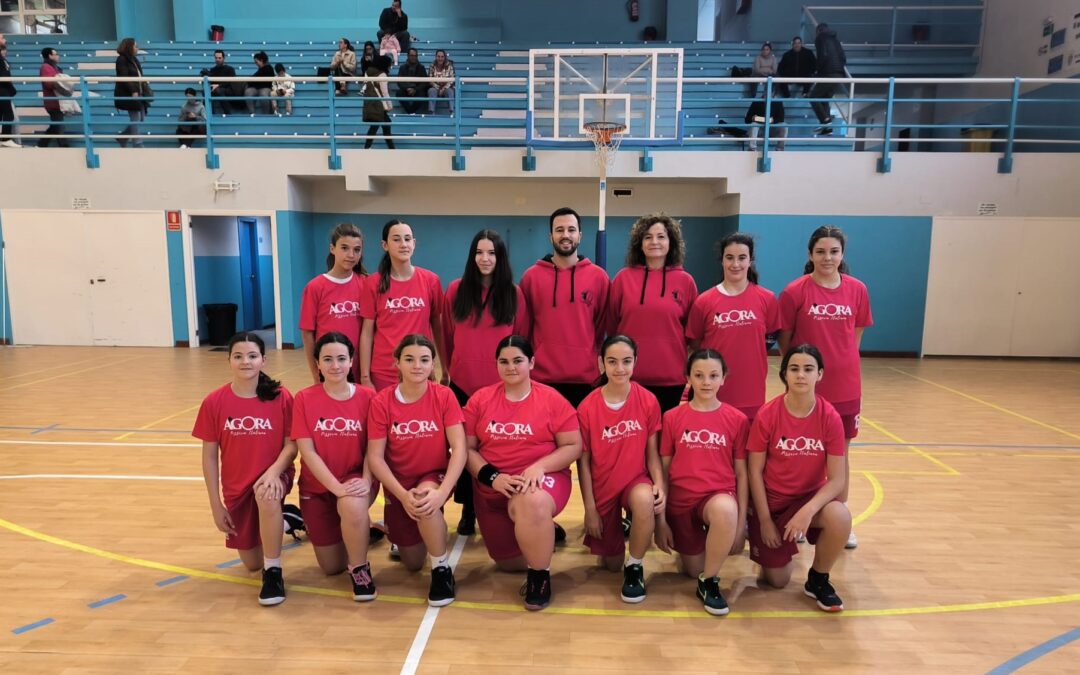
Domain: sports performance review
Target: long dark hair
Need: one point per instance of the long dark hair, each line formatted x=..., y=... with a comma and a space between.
x=799, y=349
x=416, y=340
x=738, y=238
x=384, y=262
x=518, y=341
x=501, y=298
x=676, y=246
x=611, y=341
x=346, y=230
x=827, y=232
x=268, y=388
x=338, y=339
x=127, y=48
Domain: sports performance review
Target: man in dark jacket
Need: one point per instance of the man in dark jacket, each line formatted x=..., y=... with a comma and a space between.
x=50, y=68
x=412, y=90
x=831, y=61
x=396, y=22
x=796, y=62
x=222, y=69
x=7, y=106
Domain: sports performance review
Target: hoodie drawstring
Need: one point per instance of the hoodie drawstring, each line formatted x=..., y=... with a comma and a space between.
x=555, y=290
x=573, y=273
x=645, y=282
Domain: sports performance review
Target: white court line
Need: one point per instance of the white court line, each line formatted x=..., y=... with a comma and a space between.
x=107, y=445
x=412, y=661
x=97, y=476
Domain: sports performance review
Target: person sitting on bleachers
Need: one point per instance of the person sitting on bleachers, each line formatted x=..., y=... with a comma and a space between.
x=343, y=64
x=796, y=62
x=192, y=118
x=442, y=67
x=367, y=57
x=412, y=90
x=764, y=66
x=282, y=87
x=221, y=69
x=755, y=119
x=395, y=22
x=260, y=89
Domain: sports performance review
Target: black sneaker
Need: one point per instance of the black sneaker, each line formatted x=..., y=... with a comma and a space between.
x=818, y=587
x=441, y=592
x=273, y=587
x=823, y=131
x=363, y=586
x=633, y=585
x=466, y=527
x=626, y=523
x=560, y=534
x=294, y=521
x=377, y=532
x=709, y=592
x=537, y=590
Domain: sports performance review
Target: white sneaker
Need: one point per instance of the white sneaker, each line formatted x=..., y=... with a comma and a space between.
x=10, y=144
x=852, y=541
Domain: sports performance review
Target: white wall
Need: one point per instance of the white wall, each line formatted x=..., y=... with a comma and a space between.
x=215, y=236
x=1012, y=36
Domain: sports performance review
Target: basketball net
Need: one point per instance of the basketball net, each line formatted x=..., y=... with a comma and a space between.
x=606, y=137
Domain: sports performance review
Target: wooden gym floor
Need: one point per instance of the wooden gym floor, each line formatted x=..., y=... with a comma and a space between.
x=964, y=493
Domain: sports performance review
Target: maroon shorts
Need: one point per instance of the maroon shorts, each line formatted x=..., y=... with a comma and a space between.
x=321, y=516
x=778, y=557
x=849, y=415
x=493, y=517
x=400, y=527
x=688, y=528
x=244, y=512
x=612, y=542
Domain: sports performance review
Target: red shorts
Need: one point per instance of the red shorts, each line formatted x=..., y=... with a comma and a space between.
x=688, y=528
x=612, y=542
x=400, y=528
x=494, y=519
x=851, y=425
x=244, y=512
x=849, y=415
x=321, y=516
x=778, y=557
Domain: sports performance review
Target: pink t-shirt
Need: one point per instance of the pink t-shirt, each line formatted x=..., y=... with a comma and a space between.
x=337, y=428
x=736, y=327
x=703, y=447
x=250, y=433
x=616, y=439
x=470, y=344
x=796, y=464
x=827, y=318
x=332, y=305
x=513, y=435
x=415, y=432
x=405, y=308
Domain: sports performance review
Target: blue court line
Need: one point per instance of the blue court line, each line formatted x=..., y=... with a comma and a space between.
x=31, y=626
x=44, y=429
x=1020, y=660
x=170, y=581
x=969, y=445
x=107, y=601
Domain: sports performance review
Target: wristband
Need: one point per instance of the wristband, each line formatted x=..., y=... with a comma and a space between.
x=487, y=475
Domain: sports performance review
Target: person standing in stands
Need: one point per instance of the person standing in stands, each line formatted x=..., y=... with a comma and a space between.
x=412, y=90
x=7, y=106
x=831, y=62
x=796, y=62
x=259, y=89
x=50, y=68
x=377, y=103
x=567, y=297
x=130, y=96
x=218, y=89
x=395, y=22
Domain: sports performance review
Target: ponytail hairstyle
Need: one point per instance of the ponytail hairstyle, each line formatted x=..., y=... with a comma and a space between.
x=823, y=232
x=676, y=247
x=611, y=341
x=518, y=341
x=799, y=349
x=706, y=355
x=384, y=262
x=738, y=238
x=334, y=338
x=268, y=388
x=417, y=340
x=346, y=230
x=501, y=299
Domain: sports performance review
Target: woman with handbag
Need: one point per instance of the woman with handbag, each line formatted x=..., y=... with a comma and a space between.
x=133, y=97
x=377, y=103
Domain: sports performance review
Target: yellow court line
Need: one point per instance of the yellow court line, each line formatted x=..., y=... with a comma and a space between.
x=988, y=404
x=45, y=370
x=68, y=374
x=922, y=453
x=875, y=503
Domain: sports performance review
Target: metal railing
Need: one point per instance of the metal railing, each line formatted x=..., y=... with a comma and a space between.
x=929, y=26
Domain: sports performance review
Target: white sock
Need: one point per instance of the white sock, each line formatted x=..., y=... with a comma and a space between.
x=271, y=562
x=631, y=560
x=440, y=560
x=284, y=526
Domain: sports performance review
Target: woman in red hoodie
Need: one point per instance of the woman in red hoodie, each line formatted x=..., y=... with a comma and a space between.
x=654, y=310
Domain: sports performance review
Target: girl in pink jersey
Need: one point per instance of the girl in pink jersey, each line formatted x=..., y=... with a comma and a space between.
x=481, y=308
x=797, y=478
x=331, y=301
x=336, y=487
x=734, y=318
x=244, y=426
x=650, y=301
x=620, y=465
x=703, y=451
x=829, y=309
x=416, y=448
x=522, y=438
x=399, y=300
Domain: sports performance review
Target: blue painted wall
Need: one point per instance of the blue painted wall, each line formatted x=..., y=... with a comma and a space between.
x=174, y=242
x=146, y=19
x=217, y=279
x=266, y=289
x=92, y=19
x=5, y=334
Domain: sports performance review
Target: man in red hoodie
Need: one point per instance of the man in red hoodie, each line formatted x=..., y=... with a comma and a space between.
x=567, y=297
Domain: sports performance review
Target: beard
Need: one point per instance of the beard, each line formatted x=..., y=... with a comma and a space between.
x=564, y=253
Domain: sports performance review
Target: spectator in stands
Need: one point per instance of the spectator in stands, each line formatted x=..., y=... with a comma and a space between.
x=221, y=69
x=50, y=68
x=367, y=57
x=395, y=22
x=343, y=64
x=131, y=97
x=755, y=121
x=7, y=106
x=377, y=103
x=192, y=118
x=831, y=62
x=412, y=90
x=442, y=67
x=796, y=62
x=282, y=87
x=764, y=66
x=260, y=89
x=650, y=34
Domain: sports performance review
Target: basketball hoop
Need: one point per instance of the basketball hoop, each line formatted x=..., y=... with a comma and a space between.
x=606, y=138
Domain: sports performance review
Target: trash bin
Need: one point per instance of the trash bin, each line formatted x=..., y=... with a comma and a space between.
x=980, y=139
x=217, y=33
x=220, y=322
